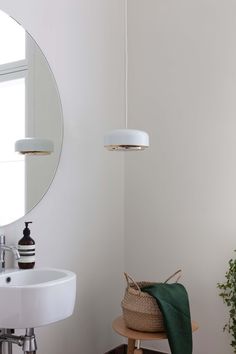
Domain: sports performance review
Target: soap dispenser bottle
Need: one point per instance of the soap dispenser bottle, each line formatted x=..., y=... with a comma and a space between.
x=26, y=248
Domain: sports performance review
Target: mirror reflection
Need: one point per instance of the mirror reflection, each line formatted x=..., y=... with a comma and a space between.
x=29, y=107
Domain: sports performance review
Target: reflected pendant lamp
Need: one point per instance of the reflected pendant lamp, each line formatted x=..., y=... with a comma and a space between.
x=126, y=139
x=34, y=146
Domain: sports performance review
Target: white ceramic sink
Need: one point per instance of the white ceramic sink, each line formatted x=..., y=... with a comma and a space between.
x=36, y=297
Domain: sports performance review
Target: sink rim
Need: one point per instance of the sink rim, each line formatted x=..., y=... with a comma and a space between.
x=68, y=275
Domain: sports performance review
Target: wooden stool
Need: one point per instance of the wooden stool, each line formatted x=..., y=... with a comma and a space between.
x=119, y=327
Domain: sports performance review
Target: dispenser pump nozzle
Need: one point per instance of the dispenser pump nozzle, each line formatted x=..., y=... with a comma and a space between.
x=26, y=231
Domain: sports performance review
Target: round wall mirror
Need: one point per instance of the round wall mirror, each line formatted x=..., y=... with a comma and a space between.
x=30, y=107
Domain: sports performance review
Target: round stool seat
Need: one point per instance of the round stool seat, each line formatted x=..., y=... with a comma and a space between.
x=119, y=327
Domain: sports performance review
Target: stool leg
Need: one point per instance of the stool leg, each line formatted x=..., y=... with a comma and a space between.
x=138, y=350
x=131, y=346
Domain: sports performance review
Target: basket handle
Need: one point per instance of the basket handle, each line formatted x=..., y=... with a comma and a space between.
x=179, y=272
x=130, y=280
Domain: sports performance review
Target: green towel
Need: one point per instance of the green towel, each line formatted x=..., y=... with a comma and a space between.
x=174, y=305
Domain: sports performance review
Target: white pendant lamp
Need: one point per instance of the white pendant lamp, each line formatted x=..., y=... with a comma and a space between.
x=126, y=139
x=34, y=146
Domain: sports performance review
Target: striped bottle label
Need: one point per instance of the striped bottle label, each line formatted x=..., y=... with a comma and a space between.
x=27, y=253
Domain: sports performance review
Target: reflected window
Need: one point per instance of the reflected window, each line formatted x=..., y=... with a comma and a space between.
x=13, y=75
x=12, y=40
x=12, y=113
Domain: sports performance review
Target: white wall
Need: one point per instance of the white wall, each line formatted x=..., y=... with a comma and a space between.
x=181, y=194
x=79, y=223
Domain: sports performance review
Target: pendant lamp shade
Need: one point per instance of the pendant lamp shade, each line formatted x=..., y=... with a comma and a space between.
x=34, y=146
x=126, y=140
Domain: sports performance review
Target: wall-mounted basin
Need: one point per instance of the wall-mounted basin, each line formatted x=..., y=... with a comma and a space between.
x=36, y=297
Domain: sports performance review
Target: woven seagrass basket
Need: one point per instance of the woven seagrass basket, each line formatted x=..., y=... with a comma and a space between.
x=140, y=310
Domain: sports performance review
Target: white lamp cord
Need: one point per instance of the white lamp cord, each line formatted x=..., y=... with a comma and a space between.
x=126, y=61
